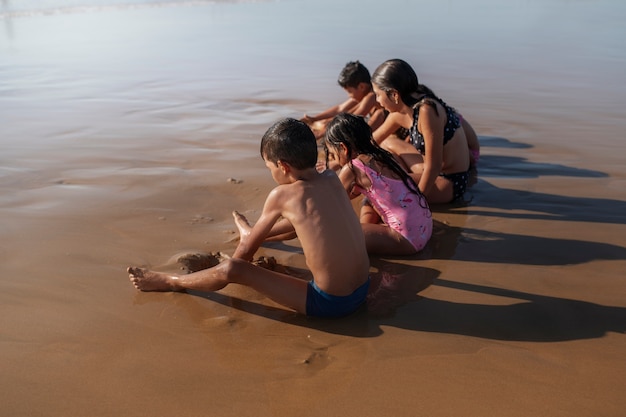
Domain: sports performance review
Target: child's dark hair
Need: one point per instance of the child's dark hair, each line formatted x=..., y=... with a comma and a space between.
x=356, y=135
x=352, y=74
x=291, y=141
x=396, y=74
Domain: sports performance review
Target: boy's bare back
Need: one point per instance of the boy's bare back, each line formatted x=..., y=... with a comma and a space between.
x=310, y=205
x=328, y=230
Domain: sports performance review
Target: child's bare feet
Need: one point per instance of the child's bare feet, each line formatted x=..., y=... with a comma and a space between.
x=146, y=280
x=242, y=224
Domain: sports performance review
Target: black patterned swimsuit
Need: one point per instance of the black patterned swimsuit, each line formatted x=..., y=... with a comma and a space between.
x=452, y=124
x=459, y=180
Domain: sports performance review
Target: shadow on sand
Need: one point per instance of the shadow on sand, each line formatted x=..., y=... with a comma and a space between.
x=395, y=286
x=482, y=196
x=475, y=245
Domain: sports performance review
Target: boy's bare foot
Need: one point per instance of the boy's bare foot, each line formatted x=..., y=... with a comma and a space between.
x=146, y=280
x=242, y=224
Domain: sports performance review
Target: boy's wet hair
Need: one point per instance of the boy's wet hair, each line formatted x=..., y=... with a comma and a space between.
x=291, y=141
x=352, y=74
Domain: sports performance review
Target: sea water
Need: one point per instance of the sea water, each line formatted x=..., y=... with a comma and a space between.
x=104, y=75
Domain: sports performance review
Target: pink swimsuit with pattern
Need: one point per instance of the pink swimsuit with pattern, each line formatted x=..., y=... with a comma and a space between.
x=397, y=206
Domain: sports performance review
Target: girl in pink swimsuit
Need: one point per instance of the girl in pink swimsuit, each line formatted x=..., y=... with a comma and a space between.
x=402, y=222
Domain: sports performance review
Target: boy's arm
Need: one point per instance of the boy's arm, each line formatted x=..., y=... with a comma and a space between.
x=347, y=106
x=376, y=119
x=330, y=112
x=364, y=106
x=249, y=244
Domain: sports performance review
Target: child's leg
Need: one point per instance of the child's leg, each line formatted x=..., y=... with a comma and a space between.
x=383, y=240
x=282, y=229
x=283, y=289
x=207, y=280
x=368, y=214
x=442, y=192
x=409, y=157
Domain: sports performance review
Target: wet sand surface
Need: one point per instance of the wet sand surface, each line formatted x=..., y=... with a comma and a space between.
x=132, y=146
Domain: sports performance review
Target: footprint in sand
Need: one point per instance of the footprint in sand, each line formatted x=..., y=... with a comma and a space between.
x=193, y=262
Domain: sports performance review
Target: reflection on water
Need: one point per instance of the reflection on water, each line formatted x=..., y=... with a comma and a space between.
x=5, y=12
x=25, y=8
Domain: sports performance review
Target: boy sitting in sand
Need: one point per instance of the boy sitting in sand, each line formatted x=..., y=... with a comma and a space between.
x=312, y=205
x=355, y=80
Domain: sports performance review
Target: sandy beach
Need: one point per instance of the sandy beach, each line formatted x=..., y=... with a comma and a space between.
x=130, y=132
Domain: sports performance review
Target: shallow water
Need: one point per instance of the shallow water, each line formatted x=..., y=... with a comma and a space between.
x=123, y=122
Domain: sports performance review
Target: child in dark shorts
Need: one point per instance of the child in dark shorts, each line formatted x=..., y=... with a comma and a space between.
x=307, y=204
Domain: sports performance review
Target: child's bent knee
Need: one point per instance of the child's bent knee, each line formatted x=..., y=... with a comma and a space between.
x=234, y=266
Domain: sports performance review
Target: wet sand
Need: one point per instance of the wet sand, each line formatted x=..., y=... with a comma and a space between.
x=132, y=146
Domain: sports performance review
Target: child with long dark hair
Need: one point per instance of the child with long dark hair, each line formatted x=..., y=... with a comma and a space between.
x=396, y=218
x=444, y=139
